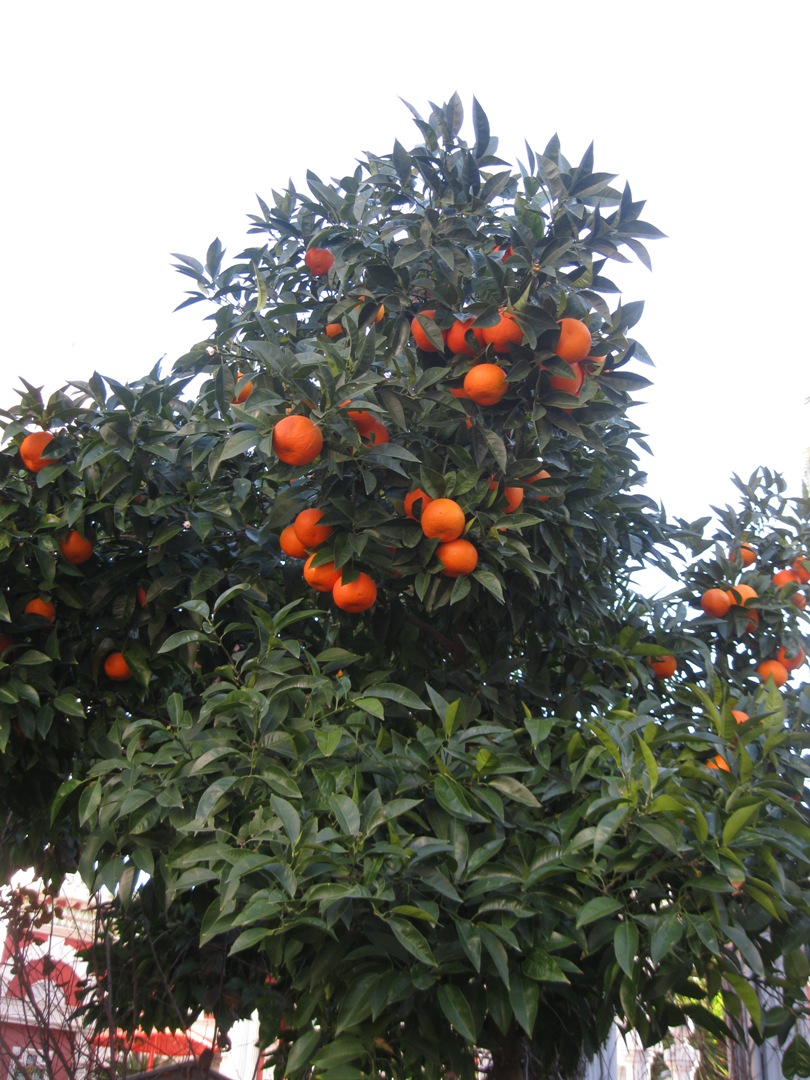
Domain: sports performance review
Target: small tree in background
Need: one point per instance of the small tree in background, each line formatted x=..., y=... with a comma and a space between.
x=446, y=802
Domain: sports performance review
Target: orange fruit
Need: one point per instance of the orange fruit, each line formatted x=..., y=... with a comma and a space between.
x=459, y=392
x=333, y=330
x=319, y=261
x=741, y=594
x=507, y=253
x=544, y=474
x=290, y=544
x=485, y=384
x=5, y=643
x=456, y=338
x=792, y=661
x=785, y=577
x=307, y=529
x=376, y=435
x=43, y=608
x=242, y=392
x=458, y=557
x=772, y=669
x=116, y=667
x=569, y=384
x=716, y=602
x=800, y=566
x=379, y=314
x=753, y=622
x=800, y=600
x=321, y=577
x=355, y=596
x=718, y=762
x=442, y=519
x=362, y=419
x=140, y=596
x=31, y=450
x=740, y=716
x=296, y=440
x=575, y=340
x=664, y=666
x=513, y=495
x=417, y=495
x=418, y=331
x=747, y=555
x=506, y=331
x=75, y=548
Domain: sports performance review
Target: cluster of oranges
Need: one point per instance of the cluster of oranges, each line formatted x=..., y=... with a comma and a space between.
x=721, y=603
x=75, y=548
x=297, y=440
x=301, y=541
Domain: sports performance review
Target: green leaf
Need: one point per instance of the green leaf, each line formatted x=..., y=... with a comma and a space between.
x=450, y=796
x=513, y=789
x=524, y=995
x=738, y=820
x=347, y=813
x=456, y=1008
x=625, y=946
x=412, y=941
x=182, y=637
x=69, y=704
x=665, y=937
x=211, y=797
x=598, y=908
x=301, y=1054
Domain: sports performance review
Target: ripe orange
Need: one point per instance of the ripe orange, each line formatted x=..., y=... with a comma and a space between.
x=140, y=596
x=544, y=474
x=507, y=253
x=355, y=596
x=116, y=667
x=333, y=330
x=376, y=435
x=379, y=314
x=307, y=529
x=442, y=519
x=458, y=557
x=75, y=548
x=793, y=660
x=772, y=669
x=800, y=600
x=31, y=451
x=575, y=340
x=5, y=643
x=290, y=544
x=417, y=495
x=242, y=392
x=296, y=440
x=457, y=338
x=747, y=555
x=716, y=602
x=362, y=419
x=459, y=392
x=506, y=331
x=740, y=716
x=753, y=622
x=664, y=666
x=321, y=577
x=569, y=384
x=319, y=261
x=513, y=495
x=741, y=594
x=43, y=608
x=718, y=762
x=418, y=331
x=785, y=577
x=485, y=384
x=800, y=565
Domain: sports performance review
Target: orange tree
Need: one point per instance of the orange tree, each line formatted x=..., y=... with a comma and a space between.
x=429, y=796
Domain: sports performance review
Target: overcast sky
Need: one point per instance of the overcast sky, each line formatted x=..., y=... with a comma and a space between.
x=132, y=131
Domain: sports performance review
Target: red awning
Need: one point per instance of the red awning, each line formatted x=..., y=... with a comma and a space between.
x=171, y=1044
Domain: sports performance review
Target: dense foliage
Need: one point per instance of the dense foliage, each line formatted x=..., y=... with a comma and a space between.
x=469, y=816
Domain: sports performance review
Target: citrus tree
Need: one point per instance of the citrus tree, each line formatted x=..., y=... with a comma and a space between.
x=322, y=650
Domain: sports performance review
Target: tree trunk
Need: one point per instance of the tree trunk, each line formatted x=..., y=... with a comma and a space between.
x=507, y=1056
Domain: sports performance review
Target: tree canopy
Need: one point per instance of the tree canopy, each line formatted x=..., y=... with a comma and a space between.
x=470, y=815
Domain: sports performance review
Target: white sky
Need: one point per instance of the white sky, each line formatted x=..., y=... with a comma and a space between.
x=131, y=131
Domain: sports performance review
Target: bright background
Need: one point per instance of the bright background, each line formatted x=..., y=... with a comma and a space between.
x=133, y=131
